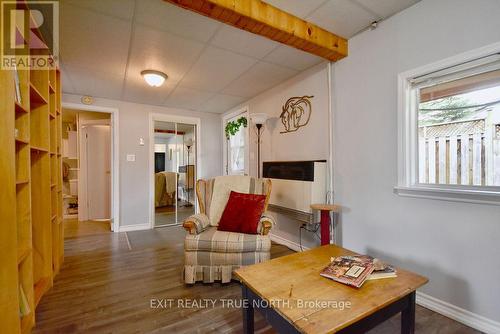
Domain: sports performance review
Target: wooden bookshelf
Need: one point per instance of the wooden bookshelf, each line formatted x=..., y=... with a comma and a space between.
x=32, y=238
x=9, y=276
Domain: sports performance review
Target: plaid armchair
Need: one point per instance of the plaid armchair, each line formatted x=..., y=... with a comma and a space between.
x=212, y=255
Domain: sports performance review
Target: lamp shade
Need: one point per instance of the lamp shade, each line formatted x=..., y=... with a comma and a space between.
x=154, y=78
x=189, y=142
x=258, y=118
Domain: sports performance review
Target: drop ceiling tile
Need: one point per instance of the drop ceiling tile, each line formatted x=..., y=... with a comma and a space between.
x=94, y=83
x=137, y=90
x=386, y=8
x=67, y=84
x=299, y=8
x=118, y=8
x=221, y=103
x=215, y=69
x=162, y=51
x=94, y=41
x=164, y=16
x=293, y=58
x=243, y=42
x=342, y=17
x=187, y=98
x=259, y=78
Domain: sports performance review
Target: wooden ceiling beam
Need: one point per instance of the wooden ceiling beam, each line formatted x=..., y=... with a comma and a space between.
x=265, y=20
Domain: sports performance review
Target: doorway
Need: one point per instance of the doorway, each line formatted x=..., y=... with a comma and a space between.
x=174, y=169
x=90, y=168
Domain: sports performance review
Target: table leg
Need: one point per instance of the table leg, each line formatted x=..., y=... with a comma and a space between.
x=408, y=316
x=248, y=321
x=325, y=227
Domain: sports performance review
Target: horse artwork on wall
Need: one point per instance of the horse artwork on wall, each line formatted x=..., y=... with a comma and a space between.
x=296, y=113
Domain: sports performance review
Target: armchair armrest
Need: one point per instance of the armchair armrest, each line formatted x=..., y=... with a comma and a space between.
x=195, y=224
x=265, y=224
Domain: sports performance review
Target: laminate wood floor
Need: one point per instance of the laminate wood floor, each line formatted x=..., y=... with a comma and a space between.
x=107, y=283
x=73, y=228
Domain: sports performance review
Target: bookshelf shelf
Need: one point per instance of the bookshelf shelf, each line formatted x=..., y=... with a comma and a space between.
x=39, y=149
x=20, y=108
x=36, y=98
x=22, y=141
x=41, y=286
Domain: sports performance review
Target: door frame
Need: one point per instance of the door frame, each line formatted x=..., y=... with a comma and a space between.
x=82, y=161
x=244, y=111
x=151, y=168
x=115, y=159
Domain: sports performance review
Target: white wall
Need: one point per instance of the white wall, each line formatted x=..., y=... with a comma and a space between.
x=134, y=176
x=308, y=143
x=456, y=245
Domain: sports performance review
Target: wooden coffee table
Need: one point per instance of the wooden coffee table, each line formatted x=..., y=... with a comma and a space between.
x=294, y=298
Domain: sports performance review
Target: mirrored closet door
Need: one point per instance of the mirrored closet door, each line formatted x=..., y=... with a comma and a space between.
x=174, y=172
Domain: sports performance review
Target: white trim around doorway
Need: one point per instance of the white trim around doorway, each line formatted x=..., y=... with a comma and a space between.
x=174, y=119
x=115, y=158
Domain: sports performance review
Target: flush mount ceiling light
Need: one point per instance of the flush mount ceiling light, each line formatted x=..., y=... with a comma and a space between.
x=154, y=78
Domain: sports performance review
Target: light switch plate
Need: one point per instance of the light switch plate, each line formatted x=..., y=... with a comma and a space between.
x=130, y=157
x=141, y=141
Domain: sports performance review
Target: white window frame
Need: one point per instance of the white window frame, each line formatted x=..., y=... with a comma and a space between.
x=225, y=118
x=408, y=184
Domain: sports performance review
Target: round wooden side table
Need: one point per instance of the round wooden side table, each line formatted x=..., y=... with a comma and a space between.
x=325, y=220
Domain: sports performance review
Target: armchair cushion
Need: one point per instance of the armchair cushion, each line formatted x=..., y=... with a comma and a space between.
x=212, y=240
x=196, y=224
x=242, y=213
x=221, y=189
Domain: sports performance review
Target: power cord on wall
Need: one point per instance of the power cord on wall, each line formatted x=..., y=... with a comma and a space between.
x=313, y=228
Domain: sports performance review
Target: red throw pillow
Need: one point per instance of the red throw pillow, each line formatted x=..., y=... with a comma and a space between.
x=242, y=213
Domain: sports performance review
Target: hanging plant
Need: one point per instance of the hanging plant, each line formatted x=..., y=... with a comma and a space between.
x=233, y=127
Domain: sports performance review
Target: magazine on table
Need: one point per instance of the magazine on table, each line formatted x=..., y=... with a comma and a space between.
x=350, y=270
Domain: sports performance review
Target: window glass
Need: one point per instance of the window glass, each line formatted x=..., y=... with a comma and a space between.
x=458, y=129
x=236, y=150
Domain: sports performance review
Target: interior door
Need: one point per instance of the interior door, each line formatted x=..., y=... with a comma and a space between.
x=98, y=180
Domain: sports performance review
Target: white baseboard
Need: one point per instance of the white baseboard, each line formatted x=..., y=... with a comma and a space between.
x=285, y=242
x=456, y=313
x=137, y=227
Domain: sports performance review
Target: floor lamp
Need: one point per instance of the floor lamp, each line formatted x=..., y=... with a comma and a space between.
x=189, y=144
x=259, y=120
